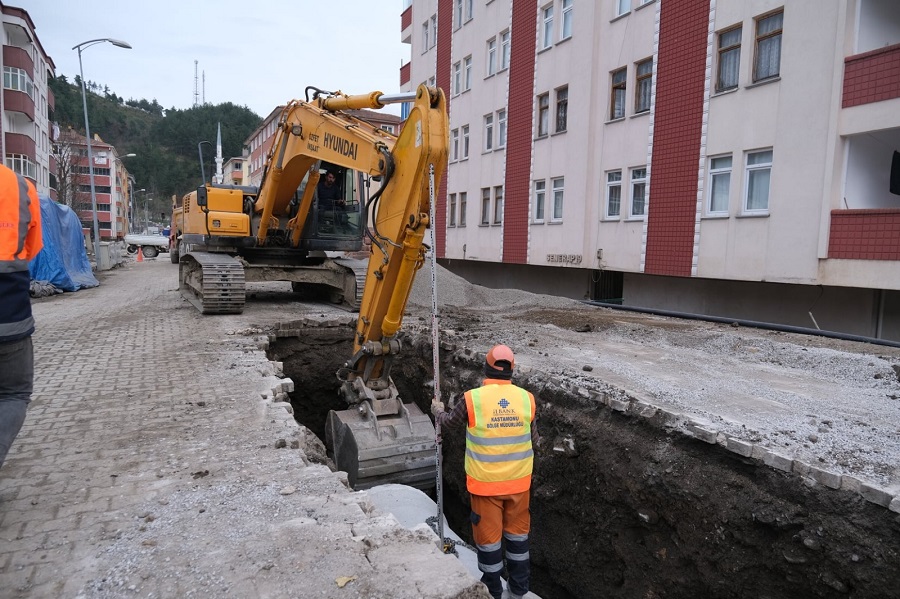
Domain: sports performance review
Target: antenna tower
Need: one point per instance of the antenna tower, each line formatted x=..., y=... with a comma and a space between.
x=196, y=92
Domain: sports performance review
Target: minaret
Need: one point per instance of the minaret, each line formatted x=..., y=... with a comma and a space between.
x=220, y=177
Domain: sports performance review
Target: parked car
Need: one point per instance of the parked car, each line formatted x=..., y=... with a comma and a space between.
x=150, y=245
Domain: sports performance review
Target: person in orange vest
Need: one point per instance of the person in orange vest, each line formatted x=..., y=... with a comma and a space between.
x=20, y=241
x=501, y=433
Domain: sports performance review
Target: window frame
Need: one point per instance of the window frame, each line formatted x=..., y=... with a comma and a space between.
x=491, y=56
x=547, y=26
x=713, y=173
x=557, y=189
x=463, y=200
x=451, y=210
x=632, y=186
x=454, y=145
x=610, y=185
x=464, y=133
x=488, y=132
x=543, y=114
x=764, y=38
x=749, y=170
x=505, y=49
x=457, y=14
x=566, y=21
x=623, y=7
x=540, y=200
x=501, y=128
x=722, y=51
x=456, y=73
x=641, y=80
x=562, y=106
x=616, y=87
x=485, y=206
x=498, y=205
x=467, y=73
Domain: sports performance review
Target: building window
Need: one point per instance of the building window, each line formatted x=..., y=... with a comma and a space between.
x=540, y=194
x=457, y=14
x=622, y=7
x=501, y=128
x=719, y=184
x=562, y=108
x=768, y=47
x=643, y=83
x=558, y=188
x=759, y=173
x=504, y=50
x=488, y=132
x=543, y=115
x=465, y=141
x=729, y=59
x=463, y=197
x=617, y=101
x=24, y=166
x=470, y=9
x=548, y=27
x=434, y=31
x=425, y=36
x=638, y=191
x=454, y=144
x=451, y=209
x=18, y=80
x=565, y=30
x=613, y=194
x=498, y=204
x=467, y=73
x=491, y=56
x=485, y=205
x=457, y=78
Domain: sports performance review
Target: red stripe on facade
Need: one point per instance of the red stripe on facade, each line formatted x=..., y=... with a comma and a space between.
x=865, y=234
x=681, y=77
x=517, y=186
x=872, y=77
x=442, y=78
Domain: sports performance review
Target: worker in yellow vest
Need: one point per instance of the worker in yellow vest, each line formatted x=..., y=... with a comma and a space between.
x=500, y=435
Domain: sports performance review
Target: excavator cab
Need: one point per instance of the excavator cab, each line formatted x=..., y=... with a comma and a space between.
x=338, y=207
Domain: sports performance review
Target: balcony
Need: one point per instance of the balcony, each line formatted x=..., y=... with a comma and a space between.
x=406, y=25
x=872, y=76
x=404, y=74
x=865, y=234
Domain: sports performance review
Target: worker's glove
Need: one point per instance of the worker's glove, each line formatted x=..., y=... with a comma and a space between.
x=437, y=407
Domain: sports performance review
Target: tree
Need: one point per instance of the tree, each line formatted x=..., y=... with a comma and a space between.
x=67, y=150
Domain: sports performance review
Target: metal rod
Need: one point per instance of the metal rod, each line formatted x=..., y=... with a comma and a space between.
x=397, y=98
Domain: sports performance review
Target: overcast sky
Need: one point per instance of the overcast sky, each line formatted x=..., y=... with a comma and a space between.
x=256, y=53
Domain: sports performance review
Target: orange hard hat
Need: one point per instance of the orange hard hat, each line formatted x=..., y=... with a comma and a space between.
x=500, y=353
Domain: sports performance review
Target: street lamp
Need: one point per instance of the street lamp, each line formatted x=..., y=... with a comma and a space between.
x=87, y=132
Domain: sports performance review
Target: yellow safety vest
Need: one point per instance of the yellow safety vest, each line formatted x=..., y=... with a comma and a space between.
x=499, y=456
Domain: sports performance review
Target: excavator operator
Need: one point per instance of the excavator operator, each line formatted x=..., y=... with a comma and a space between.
x=500, y=435
x=331, y=199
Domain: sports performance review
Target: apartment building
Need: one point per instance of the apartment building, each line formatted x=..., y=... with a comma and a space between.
x=26, y=129
x=717, y=157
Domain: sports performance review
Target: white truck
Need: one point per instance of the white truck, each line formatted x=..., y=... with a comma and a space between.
x=150, y=245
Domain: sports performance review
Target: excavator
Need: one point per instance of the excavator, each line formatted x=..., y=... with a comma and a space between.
x=282, y=229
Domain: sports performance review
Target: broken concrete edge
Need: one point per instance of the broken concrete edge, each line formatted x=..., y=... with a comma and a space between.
x=295, y=328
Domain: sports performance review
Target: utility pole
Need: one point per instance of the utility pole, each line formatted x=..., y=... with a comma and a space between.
x=196, y=89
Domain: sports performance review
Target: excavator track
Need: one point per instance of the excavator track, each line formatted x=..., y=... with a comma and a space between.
x=360, y=270
x=213, y=283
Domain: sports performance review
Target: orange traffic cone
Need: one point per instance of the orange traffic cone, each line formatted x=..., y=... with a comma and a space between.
x=140, y=257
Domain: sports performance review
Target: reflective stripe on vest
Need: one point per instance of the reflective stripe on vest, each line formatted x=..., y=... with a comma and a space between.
x=14, y=221
x=499, y=456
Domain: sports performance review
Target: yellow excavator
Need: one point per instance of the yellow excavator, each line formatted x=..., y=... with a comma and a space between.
x=283, y=228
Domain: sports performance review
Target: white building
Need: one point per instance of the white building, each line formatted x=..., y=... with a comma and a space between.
x=717, y=157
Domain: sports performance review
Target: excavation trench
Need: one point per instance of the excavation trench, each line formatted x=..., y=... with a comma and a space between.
x=626, y=505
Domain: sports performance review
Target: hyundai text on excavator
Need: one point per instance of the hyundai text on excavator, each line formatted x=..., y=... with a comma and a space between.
x=283, y=227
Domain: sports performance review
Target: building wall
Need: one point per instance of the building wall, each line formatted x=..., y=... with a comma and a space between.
x=830, y=116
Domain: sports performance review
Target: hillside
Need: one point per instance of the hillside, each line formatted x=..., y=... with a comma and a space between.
x=164, y=140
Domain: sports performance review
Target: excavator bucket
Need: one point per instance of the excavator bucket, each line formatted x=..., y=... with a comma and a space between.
x=390, y=448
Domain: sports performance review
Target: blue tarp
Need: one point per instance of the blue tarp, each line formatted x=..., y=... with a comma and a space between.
x=63, y=261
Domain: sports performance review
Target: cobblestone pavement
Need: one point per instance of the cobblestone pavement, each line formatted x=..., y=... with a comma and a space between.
x=156, y=461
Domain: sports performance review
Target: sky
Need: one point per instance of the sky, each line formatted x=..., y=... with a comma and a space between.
x=254, y=53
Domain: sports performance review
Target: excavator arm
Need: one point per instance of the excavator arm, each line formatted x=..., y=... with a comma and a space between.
x=381, y=439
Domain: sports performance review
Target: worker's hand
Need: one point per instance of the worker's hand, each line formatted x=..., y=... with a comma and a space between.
x=437, y=407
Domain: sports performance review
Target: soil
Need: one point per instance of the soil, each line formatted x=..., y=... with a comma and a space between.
x=633, y=507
